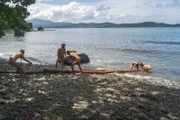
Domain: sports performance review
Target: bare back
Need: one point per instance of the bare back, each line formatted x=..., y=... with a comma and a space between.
x=76, y=56
x=147, y=67
x=17, y=55
x=135, y=63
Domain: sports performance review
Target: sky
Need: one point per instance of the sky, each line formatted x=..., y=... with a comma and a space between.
x=114, y=11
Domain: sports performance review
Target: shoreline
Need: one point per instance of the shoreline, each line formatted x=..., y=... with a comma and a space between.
x=39, y=69
x=84, y=97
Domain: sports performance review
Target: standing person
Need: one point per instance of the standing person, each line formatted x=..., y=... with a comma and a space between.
x=134, y=65
x=76, y=58
x=145, y=68
x=14, y=57
x=61, y=54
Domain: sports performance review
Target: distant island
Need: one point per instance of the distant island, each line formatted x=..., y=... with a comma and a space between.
x=49, y=24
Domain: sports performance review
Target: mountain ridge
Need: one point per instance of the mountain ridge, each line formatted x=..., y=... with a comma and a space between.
x=50, y=24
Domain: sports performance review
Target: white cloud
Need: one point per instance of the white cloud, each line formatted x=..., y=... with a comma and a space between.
x=43, y=0
x=117, y=11
x=73, y=12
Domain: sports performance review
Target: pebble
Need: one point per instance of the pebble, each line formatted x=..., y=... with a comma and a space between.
x=48, y=96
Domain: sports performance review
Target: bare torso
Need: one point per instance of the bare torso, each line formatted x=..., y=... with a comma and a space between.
x=147, y=67
x=76, y=56
x=17, y=55
x=135, y=63
x=61, y=53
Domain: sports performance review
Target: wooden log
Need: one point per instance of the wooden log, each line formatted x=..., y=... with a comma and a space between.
x=89, y=71
x=14, y=72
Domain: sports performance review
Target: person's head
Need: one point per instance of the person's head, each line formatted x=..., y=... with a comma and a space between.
x=63, y=45
x=68, y=52
x=22, y=51
x=141, y=64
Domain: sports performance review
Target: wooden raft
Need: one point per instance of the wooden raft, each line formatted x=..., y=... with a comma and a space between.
x=89, y=71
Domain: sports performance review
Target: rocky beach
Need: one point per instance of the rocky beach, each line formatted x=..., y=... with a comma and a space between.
x=44, y=96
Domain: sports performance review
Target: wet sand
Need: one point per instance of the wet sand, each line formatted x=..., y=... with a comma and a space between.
x=84, y=97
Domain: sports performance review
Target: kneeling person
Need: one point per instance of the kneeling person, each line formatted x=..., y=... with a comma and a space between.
x=146, y=68
x=134, y=65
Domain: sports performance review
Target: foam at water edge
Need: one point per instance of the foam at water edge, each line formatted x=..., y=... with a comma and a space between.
x=5, y=55
x=100, y=68
x=1, y=55
x=159, y=80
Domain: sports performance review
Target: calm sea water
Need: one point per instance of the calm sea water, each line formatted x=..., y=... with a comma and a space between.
x=108, y=48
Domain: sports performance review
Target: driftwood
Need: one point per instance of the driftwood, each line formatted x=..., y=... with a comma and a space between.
x=14, y=72
x=90, y=71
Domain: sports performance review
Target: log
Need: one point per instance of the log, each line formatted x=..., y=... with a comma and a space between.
x=89, y=71
x=14, y=72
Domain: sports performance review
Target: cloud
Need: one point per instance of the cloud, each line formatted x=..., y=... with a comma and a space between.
x=100, y=7
x=176, y=1
x=158, y=5
x=117, y=11
x=73, y=12
x=43, y=0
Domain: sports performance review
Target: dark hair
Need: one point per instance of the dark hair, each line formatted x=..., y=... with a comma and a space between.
x=68, y=52
x=63, y=44
x=141, y=64
x=22, y=51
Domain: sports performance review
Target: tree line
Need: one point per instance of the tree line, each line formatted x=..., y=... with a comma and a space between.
x=12, y=16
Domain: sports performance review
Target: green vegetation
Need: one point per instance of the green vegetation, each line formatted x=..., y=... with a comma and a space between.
x=13, y=16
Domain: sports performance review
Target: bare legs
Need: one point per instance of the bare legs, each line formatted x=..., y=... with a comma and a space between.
x=133, y=66
x=74, y=63
x=19, y=68
x=61, y=62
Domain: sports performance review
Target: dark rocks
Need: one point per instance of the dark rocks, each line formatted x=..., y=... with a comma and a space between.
x=84, y=97
x=84, y=59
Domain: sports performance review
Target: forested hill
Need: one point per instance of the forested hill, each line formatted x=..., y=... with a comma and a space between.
x=49, y=24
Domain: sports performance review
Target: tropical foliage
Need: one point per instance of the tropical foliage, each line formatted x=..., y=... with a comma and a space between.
x=12, y=16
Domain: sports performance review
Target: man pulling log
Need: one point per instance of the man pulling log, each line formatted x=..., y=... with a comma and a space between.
x=14, y=57
x=77, y=60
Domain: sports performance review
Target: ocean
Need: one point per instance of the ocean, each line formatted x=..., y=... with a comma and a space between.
x=107, y=48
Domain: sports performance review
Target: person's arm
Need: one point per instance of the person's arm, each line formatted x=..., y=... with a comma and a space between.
x=58, y=53
x=26, y=60
x=143, y=69
x=65, y=52
x=72, y=54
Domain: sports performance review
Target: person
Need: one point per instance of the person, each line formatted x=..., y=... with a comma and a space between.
x=61, y=54
x=77, y=60
x=145, y=68
x=134, y=65
x=14, y=57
